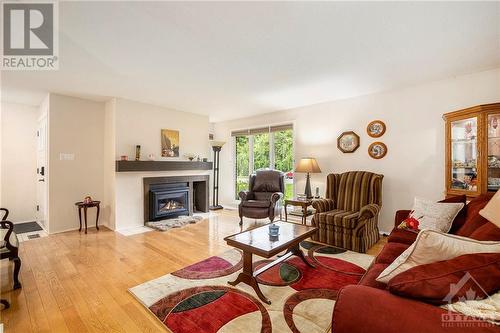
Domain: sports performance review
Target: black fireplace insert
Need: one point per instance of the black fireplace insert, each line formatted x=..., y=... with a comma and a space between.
x=168, y=201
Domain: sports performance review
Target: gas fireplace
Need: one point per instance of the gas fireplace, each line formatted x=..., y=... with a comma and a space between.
x=169, y=197
x=168, y=200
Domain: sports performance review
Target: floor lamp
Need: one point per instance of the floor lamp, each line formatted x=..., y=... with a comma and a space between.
x=216, y=147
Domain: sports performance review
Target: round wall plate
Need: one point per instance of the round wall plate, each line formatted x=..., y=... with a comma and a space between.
x=376, y=128
x=377, y=150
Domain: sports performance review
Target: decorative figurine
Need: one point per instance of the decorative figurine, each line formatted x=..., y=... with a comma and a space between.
x=138, y=152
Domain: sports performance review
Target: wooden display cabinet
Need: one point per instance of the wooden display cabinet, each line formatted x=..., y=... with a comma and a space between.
x=472, y=150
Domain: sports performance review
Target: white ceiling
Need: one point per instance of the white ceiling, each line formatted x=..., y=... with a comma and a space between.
x=230, y=60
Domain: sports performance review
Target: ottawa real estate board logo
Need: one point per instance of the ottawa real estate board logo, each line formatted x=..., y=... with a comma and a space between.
x=30, y=39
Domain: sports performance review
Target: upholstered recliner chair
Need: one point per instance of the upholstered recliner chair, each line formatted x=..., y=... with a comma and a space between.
x=263, y=199
x=348, y=217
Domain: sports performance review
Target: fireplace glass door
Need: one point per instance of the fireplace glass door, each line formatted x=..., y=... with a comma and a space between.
x=169, y=203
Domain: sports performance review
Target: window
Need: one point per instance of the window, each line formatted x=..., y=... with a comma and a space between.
x=283, y=158
x=269, y=147
x=261, y=158
x=242, y=163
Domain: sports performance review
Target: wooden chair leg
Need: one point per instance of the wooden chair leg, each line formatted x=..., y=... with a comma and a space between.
x=17, y=268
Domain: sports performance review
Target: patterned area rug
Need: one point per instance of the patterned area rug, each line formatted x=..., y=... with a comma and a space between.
x=197, y=298
x=177, y=222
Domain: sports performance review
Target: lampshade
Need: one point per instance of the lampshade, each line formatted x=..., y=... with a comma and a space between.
x=215, y=143
x=491, y=211
x=308, y=164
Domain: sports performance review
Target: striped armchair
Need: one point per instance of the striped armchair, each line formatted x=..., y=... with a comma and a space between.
x=348, y=217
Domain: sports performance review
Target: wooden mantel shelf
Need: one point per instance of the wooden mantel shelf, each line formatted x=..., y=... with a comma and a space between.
x=130, y=166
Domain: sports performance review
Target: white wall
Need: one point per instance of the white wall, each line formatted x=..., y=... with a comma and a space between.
x=108, y=207
x=18, y=163
x=76, y=126
x=414, y=165
x=140, y=124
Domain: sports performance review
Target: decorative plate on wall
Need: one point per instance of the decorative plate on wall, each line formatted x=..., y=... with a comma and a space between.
x=377, y=150
x=348, y=142
x=376, y=128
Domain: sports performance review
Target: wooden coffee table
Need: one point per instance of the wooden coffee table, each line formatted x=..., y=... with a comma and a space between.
x=257, y=241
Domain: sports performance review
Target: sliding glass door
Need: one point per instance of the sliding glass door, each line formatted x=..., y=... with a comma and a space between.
x=260, y=148
x=283, y=158
x=242, y=162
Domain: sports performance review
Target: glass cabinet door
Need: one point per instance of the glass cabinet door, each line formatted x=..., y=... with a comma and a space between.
x=493, y=152
x=464, y=155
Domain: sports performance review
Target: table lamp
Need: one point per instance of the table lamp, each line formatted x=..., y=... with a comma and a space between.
x=308, y=165
x=491, y=211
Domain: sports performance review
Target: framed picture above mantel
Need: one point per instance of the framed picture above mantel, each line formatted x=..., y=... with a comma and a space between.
x=169, y=143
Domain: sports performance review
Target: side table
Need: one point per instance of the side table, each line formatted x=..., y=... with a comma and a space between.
x=298, y=203
x=83, y=205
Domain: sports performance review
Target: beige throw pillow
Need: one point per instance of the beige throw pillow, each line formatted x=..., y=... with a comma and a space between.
x=491, y=211
x=435, y=215
x=431, y=246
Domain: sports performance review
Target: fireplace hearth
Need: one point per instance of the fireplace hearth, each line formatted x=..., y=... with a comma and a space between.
x=169, y=197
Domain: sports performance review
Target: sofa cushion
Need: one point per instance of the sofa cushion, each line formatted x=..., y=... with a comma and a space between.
x=256, y=203
x=472, y=219
x=369, y=279
x=491, y=211
x=460, y=218
x=402, y=236
x=338, y=217
x=431, y=246
x=446, y=281
x=390, y=252
x=434, y=215
x=486, y=232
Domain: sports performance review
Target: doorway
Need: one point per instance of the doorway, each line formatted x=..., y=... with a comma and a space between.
x=41, y=169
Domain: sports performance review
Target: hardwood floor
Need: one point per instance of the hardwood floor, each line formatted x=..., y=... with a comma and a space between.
x=74, y=282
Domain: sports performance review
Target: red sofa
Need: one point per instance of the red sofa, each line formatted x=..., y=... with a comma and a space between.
x=368, y=307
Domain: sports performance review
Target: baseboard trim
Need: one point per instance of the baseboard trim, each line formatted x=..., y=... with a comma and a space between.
x=27, y=221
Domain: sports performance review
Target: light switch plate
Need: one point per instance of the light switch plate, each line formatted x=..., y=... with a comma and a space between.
x=66, y=156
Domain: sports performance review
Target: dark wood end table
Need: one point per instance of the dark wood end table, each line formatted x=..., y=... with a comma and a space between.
x=299, y=203
x=83, y=205
x=257, y=241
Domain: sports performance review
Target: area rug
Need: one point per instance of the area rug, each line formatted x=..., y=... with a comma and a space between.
x=198, y=298
x=177, y=222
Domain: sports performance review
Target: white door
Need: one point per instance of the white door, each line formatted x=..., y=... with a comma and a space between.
x=41, y=195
